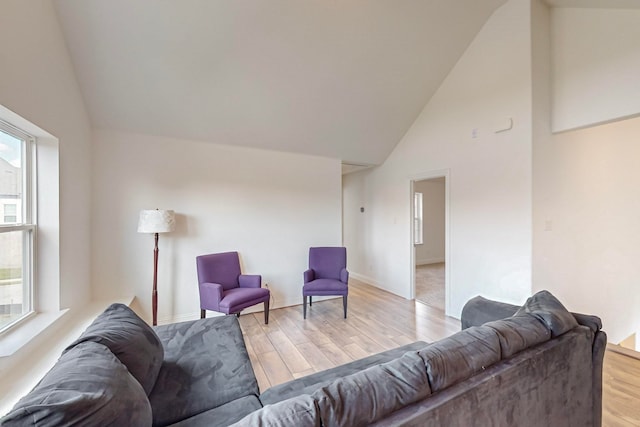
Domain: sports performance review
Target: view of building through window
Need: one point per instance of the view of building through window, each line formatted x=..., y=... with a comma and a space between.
x=14, y=239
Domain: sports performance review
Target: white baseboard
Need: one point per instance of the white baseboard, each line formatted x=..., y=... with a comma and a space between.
x=278, y=303
x=368, y=280
x=426, y=261
x=184, y=317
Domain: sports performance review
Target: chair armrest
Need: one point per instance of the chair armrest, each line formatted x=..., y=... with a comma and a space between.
x=309, y=275
x=344, y=275
x=250, y=280
x=210, y=296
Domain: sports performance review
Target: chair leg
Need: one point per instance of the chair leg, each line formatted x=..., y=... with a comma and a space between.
x=304, y=307
x=266, y=312
x=203, y=313
x=344, y=303
x=310, y=304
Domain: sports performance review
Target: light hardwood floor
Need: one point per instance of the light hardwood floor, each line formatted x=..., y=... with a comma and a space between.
x=430, y=284
x=290, y=347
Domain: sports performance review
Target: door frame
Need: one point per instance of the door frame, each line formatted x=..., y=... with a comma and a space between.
x=442, y=173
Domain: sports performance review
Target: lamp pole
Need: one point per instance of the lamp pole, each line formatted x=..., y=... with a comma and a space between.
x=155, y=221
x=154, y=294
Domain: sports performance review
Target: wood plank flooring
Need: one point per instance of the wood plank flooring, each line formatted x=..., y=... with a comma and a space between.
x=430, y=284
x=621, y=390
x=289, y=347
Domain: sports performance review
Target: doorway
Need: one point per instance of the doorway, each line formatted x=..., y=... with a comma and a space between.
x=430, y=212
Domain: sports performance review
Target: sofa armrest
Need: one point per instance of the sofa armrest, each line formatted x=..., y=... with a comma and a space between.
x=592, y=322
x=210, y=296
x=309, y=275
x=344, y=276
x=599, y=347
x=478, y=311
x=250, y=280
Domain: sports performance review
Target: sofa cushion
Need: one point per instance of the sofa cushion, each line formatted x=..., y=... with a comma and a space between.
x=206, y=365
x=310, y=383
x=546, y=308
x=298, y=411
x=87, y=386
x=518, y=333
x=130, y=339
x=461, y=355
x=362, y=398
x=224, y=415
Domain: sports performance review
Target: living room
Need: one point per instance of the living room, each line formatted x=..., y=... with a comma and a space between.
x=544, y=205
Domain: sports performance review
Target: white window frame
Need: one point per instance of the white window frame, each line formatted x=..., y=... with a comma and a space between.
x=417, y=219
x=26, y=223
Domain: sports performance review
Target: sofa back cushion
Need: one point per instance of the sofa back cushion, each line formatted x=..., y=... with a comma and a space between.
x=549, y=384
x=518, y=333
x=547, y=309
x=460, y=356
x=364, y=397
x=130, y=339
x=310, y=383
x=300, y=411
x=87, y=386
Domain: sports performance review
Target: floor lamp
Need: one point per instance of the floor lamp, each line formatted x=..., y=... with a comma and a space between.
x=156, y=221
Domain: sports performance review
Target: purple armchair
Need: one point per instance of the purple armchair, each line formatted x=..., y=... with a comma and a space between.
x=327, y=275
x=224, y=289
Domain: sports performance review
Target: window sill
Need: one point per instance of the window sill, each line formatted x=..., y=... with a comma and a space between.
x=28, y=329
x=33, y=347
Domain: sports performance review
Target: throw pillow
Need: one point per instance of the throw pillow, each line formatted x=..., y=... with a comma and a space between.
x=546, y=308
x=130, y=339
x=87, y=386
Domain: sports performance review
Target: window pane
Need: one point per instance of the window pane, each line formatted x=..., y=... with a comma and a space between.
x=14, y=298
x=10, y=213
x=417, y=219
x=10, y=177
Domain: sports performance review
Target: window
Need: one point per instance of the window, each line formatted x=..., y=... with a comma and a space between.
x=417, y=219
x=17, y=228
x=10, y=213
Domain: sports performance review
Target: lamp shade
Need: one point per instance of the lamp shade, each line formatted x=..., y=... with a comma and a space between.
x=156, y=221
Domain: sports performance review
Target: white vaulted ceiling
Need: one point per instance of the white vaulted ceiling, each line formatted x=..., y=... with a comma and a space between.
x=343, y=79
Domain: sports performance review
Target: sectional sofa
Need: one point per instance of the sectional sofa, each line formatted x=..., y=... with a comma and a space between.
x=535, y=365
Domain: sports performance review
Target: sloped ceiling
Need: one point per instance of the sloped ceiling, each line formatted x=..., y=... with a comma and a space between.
x=342, y=79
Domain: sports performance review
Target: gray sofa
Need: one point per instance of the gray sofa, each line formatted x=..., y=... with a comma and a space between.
x=536, y=365
x=122, y=372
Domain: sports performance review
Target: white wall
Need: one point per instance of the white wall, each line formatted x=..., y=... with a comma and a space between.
x=353, y=220
x=596, y=64
x=269, y=206
x=39, y=93
x=585, y=212
x=490, y=175
x=37, y=82
x=588, y=255
x=433, y=216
